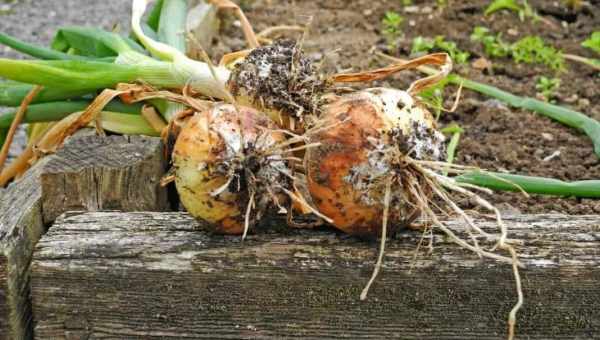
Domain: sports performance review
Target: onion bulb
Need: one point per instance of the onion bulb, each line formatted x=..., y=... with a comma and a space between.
x=227, y=166
x=279, y=80
x=370, y=134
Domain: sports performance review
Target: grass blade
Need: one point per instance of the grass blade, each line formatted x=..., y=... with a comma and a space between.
x=531, y=184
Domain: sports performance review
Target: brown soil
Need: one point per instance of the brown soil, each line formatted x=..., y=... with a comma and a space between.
x=344, y=35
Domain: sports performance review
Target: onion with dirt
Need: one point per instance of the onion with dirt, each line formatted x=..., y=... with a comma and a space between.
x=227, y=165
x=372, y=131
x=252, y=127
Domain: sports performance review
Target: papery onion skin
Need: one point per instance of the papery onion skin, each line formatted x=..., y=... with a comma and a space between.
x=348, y=172
x=204, y=148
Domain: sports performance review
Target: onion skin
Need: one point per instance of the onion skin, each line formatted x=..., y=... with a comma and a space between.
x=210, y=142
x=347, y=173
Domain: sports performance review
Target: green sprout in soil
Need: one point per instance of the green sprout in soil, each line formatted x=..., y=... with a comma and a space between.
x=455, y=130
x=392, y=27
x=547, y=87
x=426, y=45
x=533, y=49
x=523, y=10
x=493, y=45
x=529, y=50
x=593, y=42
x=433, y=98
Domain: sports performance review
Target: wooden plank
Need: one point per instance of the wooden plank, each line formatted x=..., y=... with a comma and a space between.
x=90, y=172
x=4, y=330
x=94, y=173
x=158, y=276
x=20, y=228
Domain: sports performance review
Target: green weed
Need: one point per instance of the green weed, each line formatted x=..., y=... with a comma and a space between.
x=530, y=49
x=523, y=10
x=493, y=45
x=426, y=45
x=547, y=87
x=392, y=27
x=593, y=42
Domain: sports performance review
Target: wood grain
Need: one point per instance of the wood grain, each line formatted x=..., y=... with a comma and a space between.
x=158, y=276
x=20, y=228
x=94, y=173
x=89, y=173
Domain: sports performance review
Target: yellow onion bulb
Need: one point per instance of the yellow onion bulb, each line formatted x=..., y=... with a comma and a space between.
x=365, y=137
x=221, y=158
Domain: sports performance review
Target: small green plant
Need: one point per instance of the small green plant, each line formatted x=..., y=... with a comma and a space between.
x=392, y=27
x=593, y=42
x=433, y=98
x=524, y=10
x=493, y=45
x=532, y=49
x=547, y=87
x=426, y=45
x=407, y=2
x=455, y=130
x=420, y=44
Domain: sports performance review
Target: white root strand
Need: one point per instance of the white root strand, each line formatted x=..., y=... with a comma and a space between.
x=512, y=316
x=451, y=184
x=452, y=235
x=247, y=217
x=386, y=209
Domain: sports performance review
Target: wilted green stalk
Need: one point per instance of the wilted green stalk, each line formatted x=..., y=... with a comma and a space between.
x=531, y=184
x=53, y=111
x=175, y=70
x=12, y=93
x=171, y=30
x=42, y=53
x=126, y=124
x=171, y=27
x=568, y=117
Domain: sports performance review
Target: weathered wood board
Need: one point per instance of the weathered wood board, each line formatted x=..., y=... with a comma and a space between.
x=20, y=228
x=89, y=173
x=158, y=276
x=94, y=173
